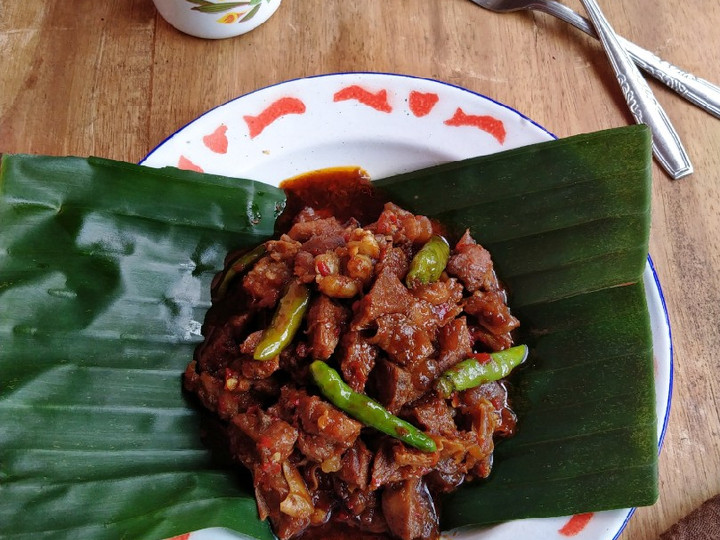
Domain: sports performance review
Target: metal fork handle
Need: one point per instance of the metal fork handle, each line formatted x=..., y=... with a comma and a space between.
x=666, y=145
x=702, y=93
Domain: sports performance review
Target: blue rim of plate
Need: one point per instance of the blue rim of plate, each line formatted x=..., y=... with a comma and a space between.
x=661, y=438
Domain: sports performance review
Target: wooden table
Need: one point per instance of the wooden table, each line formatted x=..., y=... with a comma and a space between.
x=113, y=79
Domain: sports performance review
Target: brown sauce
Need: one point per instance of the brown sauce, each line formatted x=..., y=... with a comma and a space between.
x=344, y=192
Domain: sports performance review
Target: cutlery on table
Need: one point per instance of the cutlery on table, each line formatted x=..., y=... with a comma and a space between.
x=702, y=93
x=666, y=145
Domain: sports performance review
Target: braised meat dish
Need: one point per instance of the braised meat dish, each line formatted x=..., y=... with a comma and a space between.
x=334, y=356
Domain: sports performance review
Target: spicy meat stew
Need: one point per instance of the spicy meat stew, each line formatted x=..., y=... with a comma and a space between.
x=317, y=471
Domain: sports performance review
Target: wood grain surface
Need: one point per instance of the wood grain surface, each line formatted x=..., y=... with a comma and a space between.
x=111, y=78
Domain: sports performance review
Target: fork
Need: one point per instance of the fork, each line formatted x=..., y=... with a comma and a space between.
x=696, y=90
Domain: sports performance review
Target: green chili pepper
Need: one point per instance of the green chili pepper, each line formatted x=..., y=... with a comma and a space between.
x=428, y=264
x=238, y=266
x=471, y=373
x=367, y=410
x=285, y=322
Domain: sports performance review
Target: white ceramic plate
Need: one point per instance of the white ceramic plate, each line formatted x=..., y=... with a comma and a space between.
x=388, y=124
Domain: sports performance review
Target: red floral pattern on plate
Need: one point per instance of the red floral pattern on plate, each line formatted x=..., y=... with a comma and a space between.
x=277, y=109
x=576, y=524
x=217, y=140
x=187, y=165
x=377, y=100
x=483, y=122
x=185, y=536
x=421, y=103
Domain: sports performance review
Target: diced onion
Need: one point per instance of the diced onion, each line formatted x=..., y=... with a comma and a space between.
x=298, y=503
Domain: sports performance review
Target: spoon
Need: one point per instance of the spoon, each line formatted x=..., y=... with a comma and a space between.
x=666, y=145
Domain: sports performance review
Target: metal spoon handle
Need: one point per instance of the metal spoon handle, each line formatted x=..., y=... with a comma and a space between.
x=702, y=93
x=667, y=148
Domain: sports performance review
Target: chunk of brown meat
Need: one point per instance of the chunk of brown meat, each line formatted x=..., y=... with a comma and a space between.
x=409, y=510
x=320, y=417
x=295, y=360
x=387, y=295
x=496, y=393
x=482, y=416
x=319, y=235
x=273, y=437
x=250, y=368
x=394, y=260
x=403, y=226
x=393, y=384
x=355, y=469
x=490, y=341
x=283, y=249
x=440, y=292
x=262, y=443
x=315, y=415
x=491, y=311
x=286, y=503
x=324, y=431
x=221, y=345
x=304, y=267
x=429, y=318
x=309, y=225
x=406, y=456
x=457, y=456
x=364, y=518
x=256, y=370
x=404, y=342
x=433, y=414
x=472, y=264
x=455, y=343
x=326, y=321
x=215, y=394
x=266, y=281
x=357, y=359
x=250, y=342
x=386, y=470
x=424, y=373
x=326, y=452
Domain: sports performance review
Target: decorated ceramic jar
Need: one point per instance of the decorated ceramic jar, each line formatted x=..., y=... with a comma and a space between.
x=216, y=19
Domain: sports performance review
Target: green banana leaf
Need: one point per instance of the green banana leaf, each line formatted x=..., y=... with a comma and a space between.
x=105, y=270
x=567, y=223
